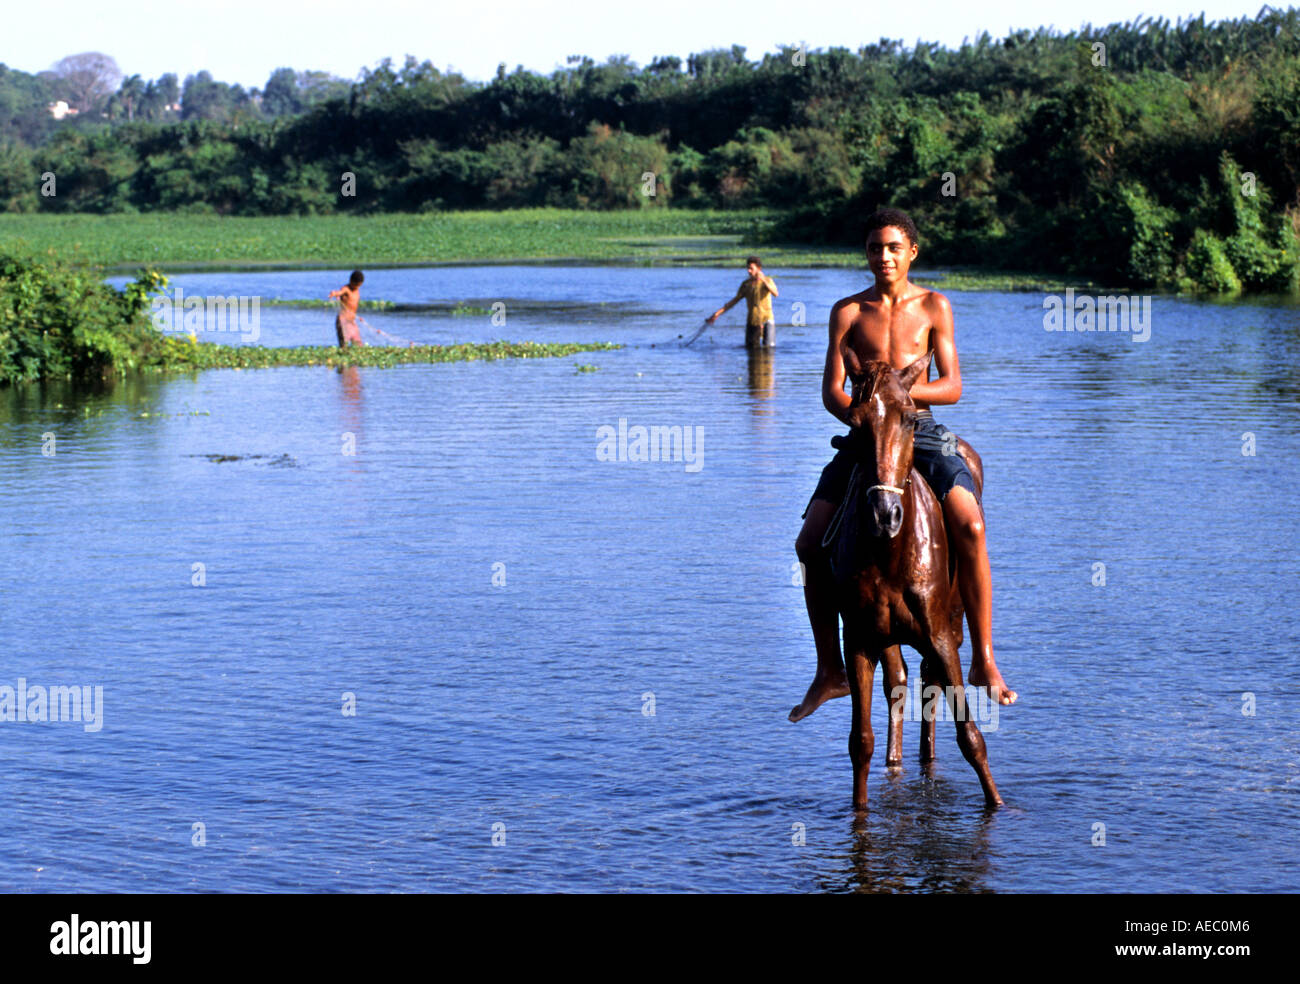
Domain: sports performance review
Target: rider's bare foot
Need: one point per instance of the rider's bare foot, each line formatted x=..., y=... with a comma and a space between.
x=824, y=687
x=988, y=677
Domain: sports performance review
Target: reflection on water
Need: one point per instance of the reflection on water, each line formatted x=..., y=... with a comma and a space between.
x=762, y=383
x=600, y=655
x=350, y=403
x=916, y=838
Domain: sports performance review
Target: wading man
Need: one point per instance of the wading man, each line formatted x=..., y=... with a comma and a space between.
x=896, y=321
x=345, y=323
x=758, y=291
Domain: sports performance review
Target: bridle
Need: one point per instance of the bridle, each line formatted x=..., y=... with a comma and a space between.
x=885, y=488
x=833, y=527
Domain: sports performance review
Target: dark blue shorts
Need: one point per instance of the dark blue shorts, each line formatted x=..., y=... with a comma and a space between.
x=941, y=470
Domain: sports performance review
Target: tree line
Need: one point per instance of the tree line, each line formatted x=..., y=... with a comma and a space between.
x=1146, y=153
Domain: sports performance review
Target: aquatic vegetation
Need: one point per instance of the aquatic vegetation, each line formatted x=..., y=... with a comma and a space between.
x=320, y=302
x=1010, y=283
x=463, y=310
x=185, y=355
x=185, y=241
x=146, y=415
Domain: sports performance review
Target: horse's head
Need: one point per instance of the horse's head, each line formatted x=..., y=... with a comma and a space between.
x=883, y=416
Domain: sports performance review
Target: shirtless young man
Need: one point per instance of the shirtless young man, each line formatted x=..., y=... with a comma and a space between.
x=345, y=324
x=897, y=322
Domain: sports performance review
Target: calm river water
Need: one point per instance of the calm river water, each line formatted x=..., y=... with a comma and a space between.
x=573, y=674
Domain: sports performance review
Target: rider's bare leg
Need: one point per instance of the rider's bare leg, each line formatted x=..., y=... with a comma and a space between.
x=819, y=595
x=962, y=514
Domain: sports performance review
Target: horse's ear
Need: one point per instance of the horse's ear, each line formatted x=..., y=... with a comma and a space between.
x=853, y=364
x=910, y=374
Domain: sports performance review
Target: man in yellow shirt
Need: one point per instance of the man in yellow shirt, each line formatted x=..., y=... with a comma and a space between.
x=758, y=291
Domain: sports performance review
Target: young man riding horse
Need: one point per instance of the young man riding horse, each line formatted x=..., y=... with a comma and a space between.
x=897, y=322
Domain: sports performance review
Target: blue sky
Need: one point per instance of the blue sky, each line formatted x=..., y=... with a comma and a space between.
x=244, y=40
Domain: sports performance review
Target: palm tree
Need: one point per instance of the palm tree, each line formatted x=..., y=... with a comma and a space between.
x=131, y=95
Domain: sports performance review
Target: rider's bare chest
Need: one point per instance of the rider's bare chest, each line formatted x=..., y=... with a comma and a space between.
x=899, y=339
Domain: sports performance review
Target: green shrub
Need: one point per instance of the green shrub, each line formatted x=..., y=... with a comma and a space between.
x=59, y=321
x=1207, y=265
x=1149, y=228
x=1262, y=248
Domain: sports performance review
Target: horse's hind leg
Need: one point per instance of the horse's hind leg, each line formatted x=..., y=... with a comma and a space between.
x=948, y=669
x=862, y=740
x=893, y=681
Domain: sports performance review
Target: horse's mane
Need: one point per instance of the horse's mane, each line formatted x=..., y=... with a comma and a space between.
x=865, y=378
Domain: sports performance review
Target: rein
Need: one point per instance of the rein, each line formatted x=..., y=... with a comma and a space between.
x=833, y=528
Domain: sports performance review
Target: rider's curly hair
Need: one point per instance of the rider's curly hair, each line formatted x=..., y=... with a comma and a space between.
x=892, y=217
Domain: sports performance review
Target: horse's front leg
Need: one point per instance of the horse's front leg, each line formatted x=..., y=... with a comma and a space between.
x=861, y=672
x=931, y=695
x=942, y=649
x=893, y=681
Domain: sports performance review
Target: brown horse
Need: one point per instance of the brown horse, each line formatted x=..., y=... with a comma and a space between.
x=896, y=577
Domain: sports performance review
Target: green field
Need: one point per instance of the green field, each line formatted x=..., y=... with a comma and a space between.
x=177, y=241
